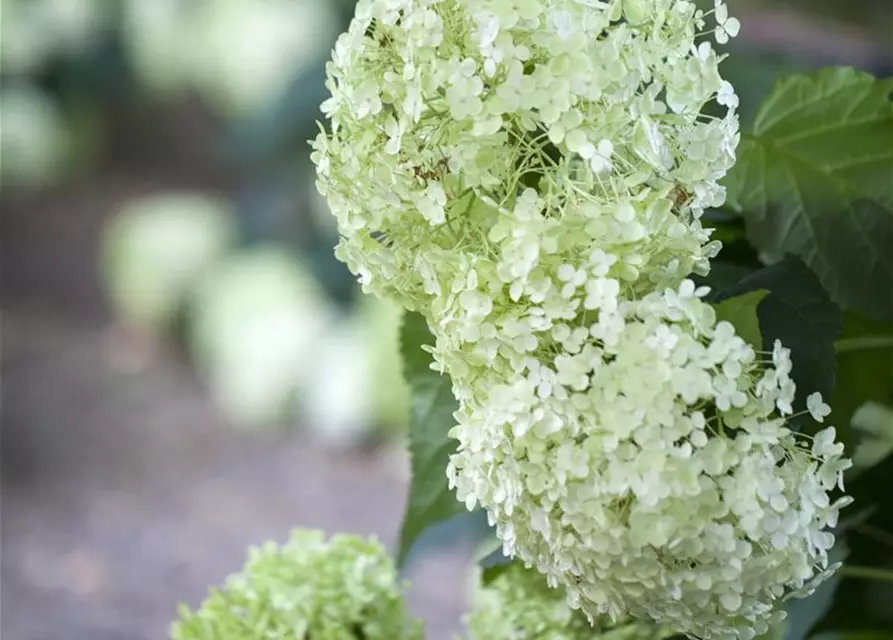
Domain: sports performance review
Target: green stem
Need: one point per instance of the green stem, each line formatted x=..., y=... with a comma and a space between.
x=865, y=342
x=875, y=533
x=867, y=573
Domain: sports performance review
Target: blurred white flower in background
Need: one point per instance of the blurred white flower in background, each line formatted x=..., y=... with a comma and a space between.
x=252, y=49
x=160, y=43
x=35, y=143
x=256, y=327
x=875, y=423
x=337, y=394
x=32, y=31
x=266, y=339
x=380, y=321
x=357, y=381
x=240, y=54
x=156, y=248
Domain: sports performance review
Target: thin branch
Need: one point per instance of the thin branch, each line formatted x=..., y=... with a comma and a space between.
x=876, y=534
x=867, y=573
x=863, y=343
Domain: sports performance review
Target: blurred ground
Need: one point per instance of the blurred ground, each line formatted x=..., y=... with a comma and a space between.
x=123, y=492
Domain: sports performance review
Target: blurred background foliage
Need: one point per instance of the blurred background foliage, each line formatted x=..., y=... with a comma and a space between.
x=234, y=267
x=244, y=280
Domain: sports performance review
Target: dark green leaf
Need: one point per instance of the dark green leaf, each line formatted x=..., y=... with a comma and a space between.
x=724, y=275
x=741, y=311
x=737, y=258
x=798, y=312
x=814, y=179
x=729, y=228
x=431, y=417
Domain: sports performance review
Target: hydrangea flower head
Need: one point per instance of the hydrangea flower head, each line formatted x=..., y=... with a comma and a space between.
x=648, y=470
x=307, y=589
x=478, y=146
x=519, y=605
x=530, y=176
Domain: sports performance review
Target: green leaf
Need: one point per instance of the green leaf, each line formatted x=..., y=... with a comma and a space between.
x=723, y=275
x=431, y=417
x=865, y=370
x=814, y=179
x=798, y=312
x=736, y=260
x=741, y=311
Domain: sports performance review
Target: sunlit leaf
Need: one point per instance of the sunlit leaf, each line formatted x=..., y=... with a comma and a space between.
x=741, y=311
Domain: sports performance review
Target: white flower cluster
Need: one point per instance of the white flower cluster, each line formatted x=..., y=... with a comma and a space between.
x=338, y=589
x=647, y=469
x=519, y=605
x=529, y=175
x=468, y=130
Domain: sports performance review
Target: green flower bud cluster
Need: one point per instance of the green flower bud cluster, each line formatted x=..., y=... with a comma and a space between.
x=307, y=589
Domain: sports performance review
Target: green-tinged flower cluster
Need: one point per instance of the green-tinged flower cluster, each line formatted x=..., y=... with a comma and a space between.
x=519, y=605
x=463, y=130
x=530, y=176
x=307, y=589
x=648, y=470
